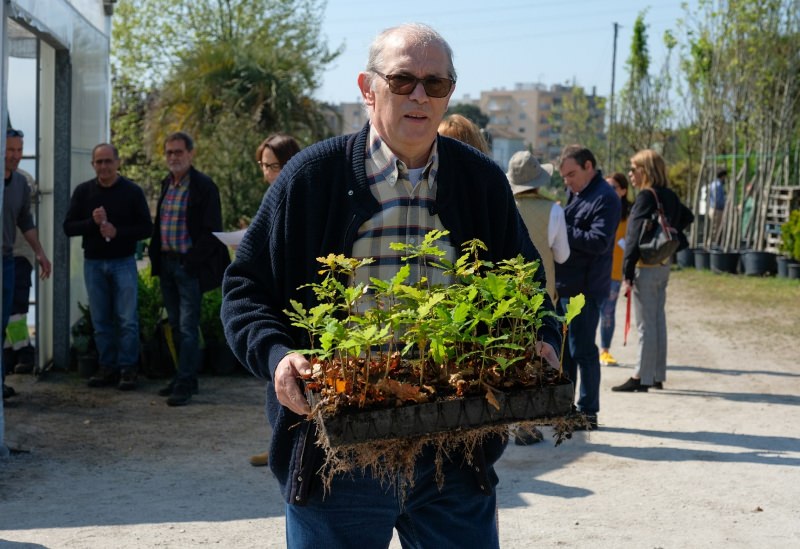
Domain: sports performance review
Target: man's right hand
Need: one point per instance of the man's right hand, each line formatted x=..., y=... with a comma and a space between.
x=291, y=367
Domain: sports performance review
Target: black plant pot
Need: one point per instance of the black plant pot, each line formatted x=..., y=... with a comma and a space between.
x=724, y=262
x=685, y=258
x=87, y=364
x=759, y=263
x=783, y=265
x=794, y=271
x=702, y=259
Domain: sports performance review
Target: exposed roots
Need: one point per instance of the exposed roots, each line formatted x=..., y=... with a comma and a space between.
x=392, y=461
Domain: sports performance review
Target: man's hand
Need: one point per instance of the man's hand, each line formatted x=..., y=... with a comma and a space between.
x=108, y=230
x=546, y=351
x=45, y=266
x=291, y=367
x=99, y=215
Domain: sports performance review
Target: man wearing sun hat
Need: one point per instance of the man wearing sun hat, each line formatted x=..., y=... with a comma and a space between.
x=543, y=217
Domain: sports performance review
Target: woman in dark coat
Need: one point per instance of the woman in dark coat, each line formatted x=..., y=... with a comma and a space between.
x=649, y=282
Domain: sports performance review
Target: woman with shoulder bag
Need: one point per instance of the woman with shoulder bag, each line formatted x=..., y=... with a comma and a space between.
x=648, y=282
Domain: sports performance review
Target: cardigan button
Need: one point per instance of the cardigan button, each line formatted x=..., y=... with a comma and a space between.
x=350, y=193
x=299, y=479
x=297, y=498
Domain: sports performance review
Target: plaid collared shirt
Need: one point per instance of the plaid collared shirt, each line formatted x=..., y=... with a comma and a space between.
x=405, y=215
x=174, y=233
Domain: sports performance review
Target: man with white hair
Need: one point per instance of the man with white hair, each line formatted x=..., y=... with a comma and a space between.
x=339, y=196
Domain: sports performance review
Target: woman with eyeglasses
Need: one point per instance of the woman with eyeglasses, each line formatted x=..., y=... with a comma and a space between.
x=648, y=283
x=272, y=155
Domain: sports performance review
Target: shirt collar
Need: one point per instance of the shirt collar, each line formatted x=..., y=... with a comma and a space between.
x=383, y=165
x=183, y=181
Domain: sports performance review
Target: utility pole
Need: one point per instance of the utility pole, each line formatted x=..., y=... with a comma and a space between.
x=611, y=101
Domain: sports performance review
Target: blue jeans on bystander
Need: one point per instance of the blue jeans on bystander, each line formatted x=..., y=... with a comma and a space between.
x=182, y=298
x=113, y=286
x=607, y=313
x=580, y=354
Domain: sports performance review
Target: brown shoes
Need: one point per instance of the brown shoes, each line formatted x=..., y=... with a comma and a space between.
x=260, y=460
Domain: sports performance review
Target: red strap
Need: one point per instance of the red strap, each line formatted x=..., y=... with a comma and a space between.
x=627, y=316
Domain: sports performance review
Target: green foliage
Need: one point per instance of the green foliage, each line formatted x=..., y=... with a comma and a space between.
x=492, y=313
x=471, y=112
x=578, y=119
x=229, y=74
x=790, y=236
x=82, y=331
x=150, y=305
x=210, y=322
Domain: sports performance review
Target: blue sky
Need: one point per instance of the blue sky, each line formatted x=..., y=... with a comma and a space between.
x=502, y=42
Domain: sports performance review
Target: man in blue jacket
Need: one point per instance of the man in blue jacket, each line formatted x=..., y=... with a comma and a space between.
x=592, y=214
x=354, y=195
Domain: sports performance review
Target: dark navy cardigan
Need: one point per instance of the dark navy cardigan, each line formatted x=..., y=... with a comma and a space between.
x=315, y=207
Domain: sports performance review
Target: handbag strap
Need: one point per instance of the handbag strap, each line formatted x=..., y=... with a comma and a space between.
x=662, y=217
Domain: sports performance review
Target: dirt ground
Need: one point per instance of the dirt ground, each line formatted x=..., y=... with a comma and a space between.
x=711, y=461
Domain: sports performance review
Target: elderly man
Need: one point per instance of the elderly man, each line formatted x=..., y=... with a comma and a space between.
x=592, y=214
x=110, y=214
x=339, y=196
x=186, y=256
x=16, y=214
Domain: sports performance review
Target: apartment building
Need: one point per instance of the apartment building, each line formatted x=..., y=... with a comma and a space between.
x=533, y=112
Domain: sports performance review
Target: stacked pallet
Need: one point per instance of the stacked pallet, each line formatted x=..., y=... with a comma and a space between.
x=782, y=200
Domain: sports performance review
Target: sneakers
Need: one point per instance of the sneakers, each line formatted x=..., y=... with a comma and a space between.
x=104, y=377
x=260, y=460
x=527, y=438
x=607, y=360
x=631, y=386
x=127, y=380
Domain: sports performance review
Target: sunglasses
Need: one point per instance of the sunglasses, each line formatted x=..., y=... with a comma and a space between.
x=11, y=132
x=405, y=84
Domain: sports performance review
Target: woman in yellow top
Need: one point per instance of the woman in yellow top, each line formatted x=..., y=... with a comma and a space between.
x=609, y=306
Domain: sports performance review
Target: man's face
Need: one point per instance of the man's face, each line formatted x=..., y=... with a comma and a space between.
x=179, y=159
x=407, y=123
x=13, y=154
x=575, y=176
x=105, y=165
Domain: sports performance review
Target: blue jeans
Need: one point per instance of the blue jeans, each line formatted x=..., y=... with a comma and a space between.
x=182, y=297
x=607, y=313
x=360, y=512
x=113, y=286
x=8, y=298
x=580, y=354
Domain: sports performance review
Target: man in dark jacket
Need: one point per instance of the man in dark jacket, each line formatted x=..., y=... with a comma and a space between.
x=186, y=256
x=110, y=213
x=340, y=196
x=592, y=213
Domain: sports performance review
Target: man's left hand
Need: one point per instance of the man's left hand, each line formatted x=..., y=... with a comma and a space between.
x=546, y=351
x=44, y=264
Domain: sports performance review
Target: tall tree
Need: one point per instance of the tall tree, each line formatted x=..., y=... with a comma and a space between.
x=644, y=101
x=230, y=72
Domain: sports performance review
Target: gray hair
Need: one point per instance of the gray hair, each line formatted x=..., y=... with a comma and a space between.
x=415, y=33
